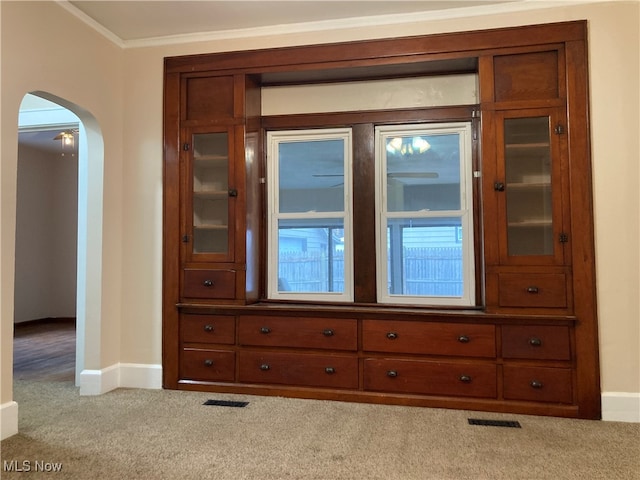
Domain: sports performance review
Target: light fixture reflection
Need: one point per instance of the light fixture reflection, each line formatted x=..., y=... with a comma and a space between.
x=67, y=138
x=407, y=145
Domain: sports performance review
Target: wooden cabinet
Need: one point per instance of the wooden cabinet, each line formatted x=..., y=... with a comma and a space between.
x=528, y=345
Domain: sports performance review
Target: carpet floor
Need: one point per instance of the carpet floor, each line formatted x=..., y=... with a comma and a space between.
x=161, y=434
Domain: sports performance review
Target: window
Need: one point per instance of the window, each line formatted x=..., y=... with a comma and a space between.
x=310, y=224
x=423, y=214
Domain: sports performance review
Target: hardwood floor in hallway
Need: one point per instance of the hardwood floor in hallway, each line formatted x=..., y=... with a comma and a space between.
x=45, y=350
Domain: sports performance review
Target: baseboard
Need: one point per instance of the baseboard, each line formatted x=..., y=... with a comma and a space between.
x=125, y=375
x=621, y=407
x=8, y=420
x=140, y=375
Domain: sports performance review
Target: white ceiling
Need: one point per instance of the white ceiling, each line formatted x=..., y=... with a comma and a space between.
x=137, y=22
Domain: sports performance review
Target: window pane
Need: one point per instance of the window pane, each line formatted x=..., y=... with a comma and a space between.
x=311, y=255
x=311, y=176
x=424, y=257
x=423, y=172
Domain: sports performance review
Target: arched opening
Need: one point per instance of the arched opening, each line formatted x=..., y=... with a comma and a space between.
x=88, y=253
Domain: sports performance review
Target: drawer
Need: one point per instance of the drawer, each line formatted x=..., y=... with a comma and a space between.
x=536, y=342
x=209, y=283
x=330, y=371
x=305, y=332
x=548, y=290
x=457, y=339
x=207, y=365
x=538, y=384
x=208, y=329
x=430, y=378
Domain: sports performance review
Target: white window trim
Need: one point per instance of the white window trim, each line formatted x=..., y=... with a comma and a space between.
x=465, y=214
x=274, y=138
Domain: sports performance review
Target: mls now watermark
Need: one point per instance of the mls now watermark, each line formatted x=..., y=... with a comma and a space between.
x=29, y=466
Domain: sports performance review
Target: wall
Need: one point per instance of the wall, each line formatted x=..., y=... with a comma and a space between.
x=126, y=98
x=60, y=55
x=614, y=79
x=47, y=210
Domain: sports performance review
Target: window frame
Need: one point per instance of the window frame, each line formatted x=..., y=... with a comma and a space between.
x=466, y=213
x=273, y=139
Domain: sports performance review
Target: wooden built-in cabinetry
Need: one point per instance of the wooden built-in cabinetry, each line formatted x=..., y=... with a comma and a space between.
x=530, y=343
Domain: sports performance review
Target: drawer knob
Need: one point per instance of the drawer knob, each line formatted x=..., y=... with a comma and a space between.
x=208, y=362
x=463, y=339
x=465, y=378
x=330, y=370
x=208, y=283
x=535, y=342
x=392, y=374
x=327, y=332
x=392, y=335
x=264, y=367
x=265, y=330
x=536, y=384
x=208, y=328
x=532, y=289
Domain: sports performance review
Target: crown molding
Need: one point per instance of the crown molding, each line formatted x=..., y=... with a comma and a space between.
x=324, y=25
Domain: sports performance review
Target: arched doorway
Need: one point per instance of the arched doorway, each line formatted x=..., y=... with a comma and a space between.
x=90, y=158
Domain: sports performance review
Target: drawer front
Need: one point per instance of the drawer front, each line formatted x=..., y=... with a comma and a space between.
x=429, y=338
x=209, y=283
x=536, y=342
x=429, y=378
x=547, y=290
x=330, y=371
x=207, y=365
x=538, y=384
x=208, y=329
x=322, y=333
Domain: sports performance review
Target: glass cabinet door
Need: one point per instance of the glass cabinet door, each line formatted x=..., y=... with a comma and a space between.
x=211, y=193
x=532, y=188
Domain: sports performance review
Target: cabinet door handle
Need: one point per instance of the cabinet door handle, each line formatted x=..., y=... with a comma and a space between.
x=330, y=370
x=532, y=289
x=265, y=330
x=233, y=192
x=208, y=363
x=392, y=335
x=327, y=332
x=392, y=374
x=535, y=342
x=498, y=186
x=536, y=384
x=465, y=378
x=463, y=339
x=208, y=283
x=264, y=367
x=208, y=328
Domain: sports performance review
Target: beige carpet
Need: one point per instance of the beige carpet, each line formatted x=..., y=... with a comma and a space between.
x=152, y=434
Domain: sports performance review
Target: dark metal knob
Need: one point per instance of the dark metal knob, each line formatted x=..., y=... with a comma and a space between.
x=392, y=335
x=264, y=367
x=233, y=192
x=208, y=362
x=327, y=332
x=208, y=328
x=463, y=339
x=536, y=384
x=208, y=283
x=330, y=370
x=465, y=378
x=265, y=330
x=392, y=374
x=535, y=342
x=498, y=186
x=532, y=289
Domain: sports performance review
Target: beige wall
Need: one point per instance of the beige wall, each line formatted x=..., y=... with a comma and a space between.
x=123, y=90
